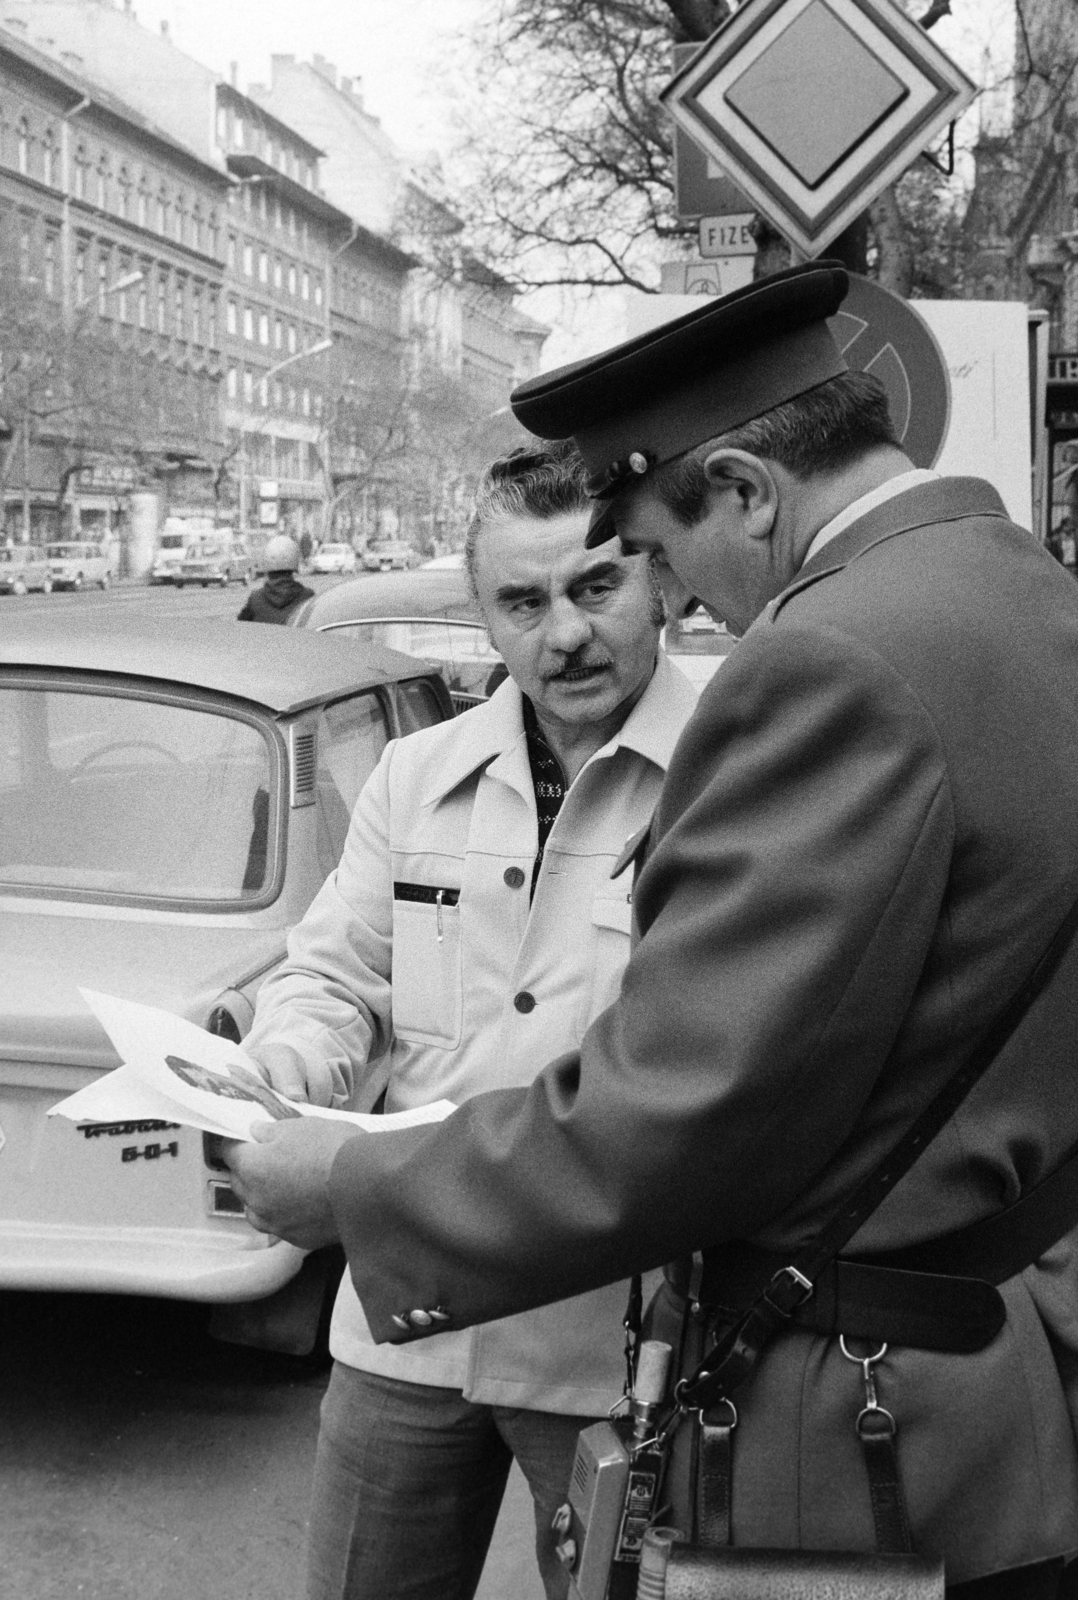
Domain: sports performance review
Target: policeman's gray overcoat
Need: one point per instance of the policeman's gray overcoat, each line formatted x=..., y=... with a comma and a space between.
x=868, y=834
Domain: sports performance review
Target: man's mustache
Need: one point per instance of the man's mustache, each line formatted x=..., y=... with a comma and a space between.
x=580, y=663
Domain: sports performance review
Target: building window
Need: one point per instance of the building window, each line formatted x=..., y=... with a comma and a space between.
x=263, y=328
x=211, y=234
x=211, y=319
x=102, y=195
x=80, y=275
x=278, y=334
x=248, y=387
x=248, y=323
x=278, y=394
x=246, y=197
x=318, y=405
x=318, y=291
x=291, y=280
x=249, y=259
x=123, y=194
x=230, y=317
x=278, y=273
x=103, y=286
x=237, y=128
x=80, y=173
x=143, y=207
x=50, y=264
x=263, y=393
x=23, y=146
x=306, y=402
x=222, y=125
x=278, y=216
x=232, y=383
x=24, y=249
x=144, y=298
x=196, y=317
x=179, y=218
x=291, y=338
x=262, y=216
x=292, y=222
x=162, y=304
x=231, y=254
x=305, y=285
x=48, y=158
x=196, y=228
x=263, y=267
x=162, y=213
x=179, y=311
x=291, y=398
x=306, y=236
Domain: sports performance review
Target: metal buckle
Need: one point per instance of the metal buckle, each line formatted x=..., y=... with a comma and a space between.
x=793, y=1290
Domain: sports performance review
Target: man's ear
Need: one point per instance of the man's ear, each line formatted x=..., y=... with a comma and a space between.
x=751, y=481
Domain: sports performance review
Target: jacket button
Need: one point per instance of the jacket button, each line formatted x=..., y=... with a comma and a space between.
x=402, y=1323
x=514, y=877
x=524, y=1002
x=420, y=1319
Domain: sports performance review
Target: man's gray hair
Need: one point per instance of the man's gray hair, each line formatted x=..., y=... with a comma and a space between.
x=541, y=480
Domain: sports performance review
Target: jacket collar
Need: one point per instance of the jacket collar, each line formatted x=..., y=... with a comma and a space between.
x=945, y=500
x=494, y=733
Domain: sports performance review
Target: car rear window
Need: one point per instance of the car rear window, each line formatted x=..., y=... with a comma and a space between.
x=113, y=796
x=351, y=735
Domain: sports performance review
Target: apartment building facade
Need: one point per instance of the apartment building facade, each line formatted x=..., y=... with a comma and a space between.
x=110, y=234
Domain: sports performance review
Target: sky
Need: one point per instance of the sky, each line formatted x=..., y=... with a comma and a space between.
x=395, y=46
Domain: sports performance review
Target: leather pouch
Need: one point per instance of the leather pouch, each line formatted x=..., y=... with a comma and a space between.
x=695, y=1572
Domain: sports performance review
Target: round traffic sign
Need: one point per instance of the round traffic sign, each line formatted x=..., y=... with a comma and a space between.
x=881, y=333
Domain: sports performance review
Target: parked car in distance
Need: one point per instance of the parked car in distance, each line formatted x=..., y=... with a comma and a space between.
x=73, y=563
x=333, y=558
x=170, y=802
x=425, y=613
x=215, y=560
x=171, y=548
x=24, y=567
x=391, y=555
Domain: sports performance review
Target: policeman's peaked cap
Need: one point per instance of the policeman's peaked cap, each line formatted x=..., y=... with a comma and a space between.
x=631, y=408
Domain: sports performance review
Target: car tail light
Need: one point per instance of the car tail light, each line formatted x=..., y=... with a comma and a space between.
x=224, y=1201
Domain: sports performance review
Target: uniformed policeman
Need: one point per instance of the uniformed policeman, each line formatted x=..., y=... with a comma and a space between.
x=868, y=834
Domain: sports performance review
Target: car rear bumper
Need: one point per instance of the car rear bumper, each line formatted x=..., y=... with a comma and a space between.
x=173, y=1263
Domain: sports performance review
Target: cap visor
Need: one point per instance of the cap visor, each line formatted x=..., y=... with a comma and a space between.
x=602, y=525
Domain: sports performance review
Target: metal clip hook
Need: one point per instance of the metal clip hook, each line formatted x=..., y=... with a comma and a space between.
x=872, y=1408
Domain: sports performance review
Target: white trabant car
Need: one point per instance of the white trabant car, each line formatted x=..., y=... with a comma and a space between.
x=169, y=805
x=74, y=563
x=333, y=558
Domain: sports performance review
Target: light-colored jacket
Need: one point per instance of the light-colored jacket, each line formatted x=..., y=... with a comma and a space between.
x=449, y=1001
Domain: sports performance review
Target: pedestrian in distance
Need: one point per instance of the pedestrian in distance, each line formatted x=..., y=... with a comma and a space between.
x=867, y=839
x=277, y=598
x=471, y=927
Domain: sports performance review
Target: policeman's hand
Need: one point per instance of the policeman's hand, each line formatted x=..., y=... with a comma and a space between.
x=297, y=1078
x=282, y=1177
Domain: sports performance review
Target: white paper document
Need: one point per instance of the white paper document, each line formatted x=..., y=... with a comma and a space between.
x=174, y=1071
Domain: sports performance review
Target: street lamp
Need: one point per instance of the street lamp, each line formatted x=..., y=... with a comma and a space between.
x=298, y=355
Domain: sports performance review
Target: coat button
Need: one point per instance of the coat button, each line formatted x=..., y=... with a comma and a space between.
x=514, y=877
x=402, y=1323
x=524, y=1002
x=420, y=1319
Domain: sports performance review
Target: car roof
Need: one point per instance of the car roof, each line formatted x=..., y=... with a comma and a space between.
x=280, y=668
x=422, y=593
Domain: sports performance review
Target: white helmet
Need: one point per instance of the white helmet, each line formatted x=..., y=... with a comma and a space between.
x=282, y=554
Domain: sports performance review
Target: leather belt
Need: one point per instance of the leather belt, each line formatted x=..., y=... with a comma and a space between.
x=923, y=1310
x=936, y=1295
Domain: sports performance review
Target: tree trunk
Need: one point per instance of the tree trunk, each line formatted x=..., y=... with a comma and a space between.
x=892, y=237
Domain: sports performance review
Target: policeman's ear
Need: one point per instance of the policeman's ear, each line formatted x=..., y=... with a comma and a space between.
x=749, y=486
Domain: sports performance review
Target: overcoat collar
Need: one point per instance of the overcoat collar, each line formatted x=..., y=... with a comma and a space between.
x=494, y=732
x=945, y=500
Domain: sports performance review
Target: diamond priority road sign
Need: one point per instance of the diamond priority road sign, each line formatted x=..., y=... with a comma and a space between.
x=813, y=106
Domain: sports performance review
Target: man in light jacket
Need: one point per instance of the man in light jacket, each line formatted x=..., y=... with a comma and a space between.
x=472, y=929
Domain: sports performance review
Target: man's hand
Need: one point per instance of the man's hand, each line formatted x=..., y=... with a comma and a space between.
x=282, y=1177
x=288, y=1071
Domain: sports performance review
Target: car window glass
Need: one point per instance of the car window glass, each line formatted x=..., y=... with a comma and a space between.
x=417, y=706
x=351, y=736
x=132, y=797
x=463, y=648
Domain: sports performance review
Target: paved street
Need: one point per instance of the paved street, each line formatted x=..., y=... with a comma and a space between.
x=139, y=1460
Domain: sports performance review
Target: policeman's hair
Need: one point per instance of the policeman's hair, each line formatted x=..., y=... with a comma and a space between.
x=540, y=480
x=819, y=432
